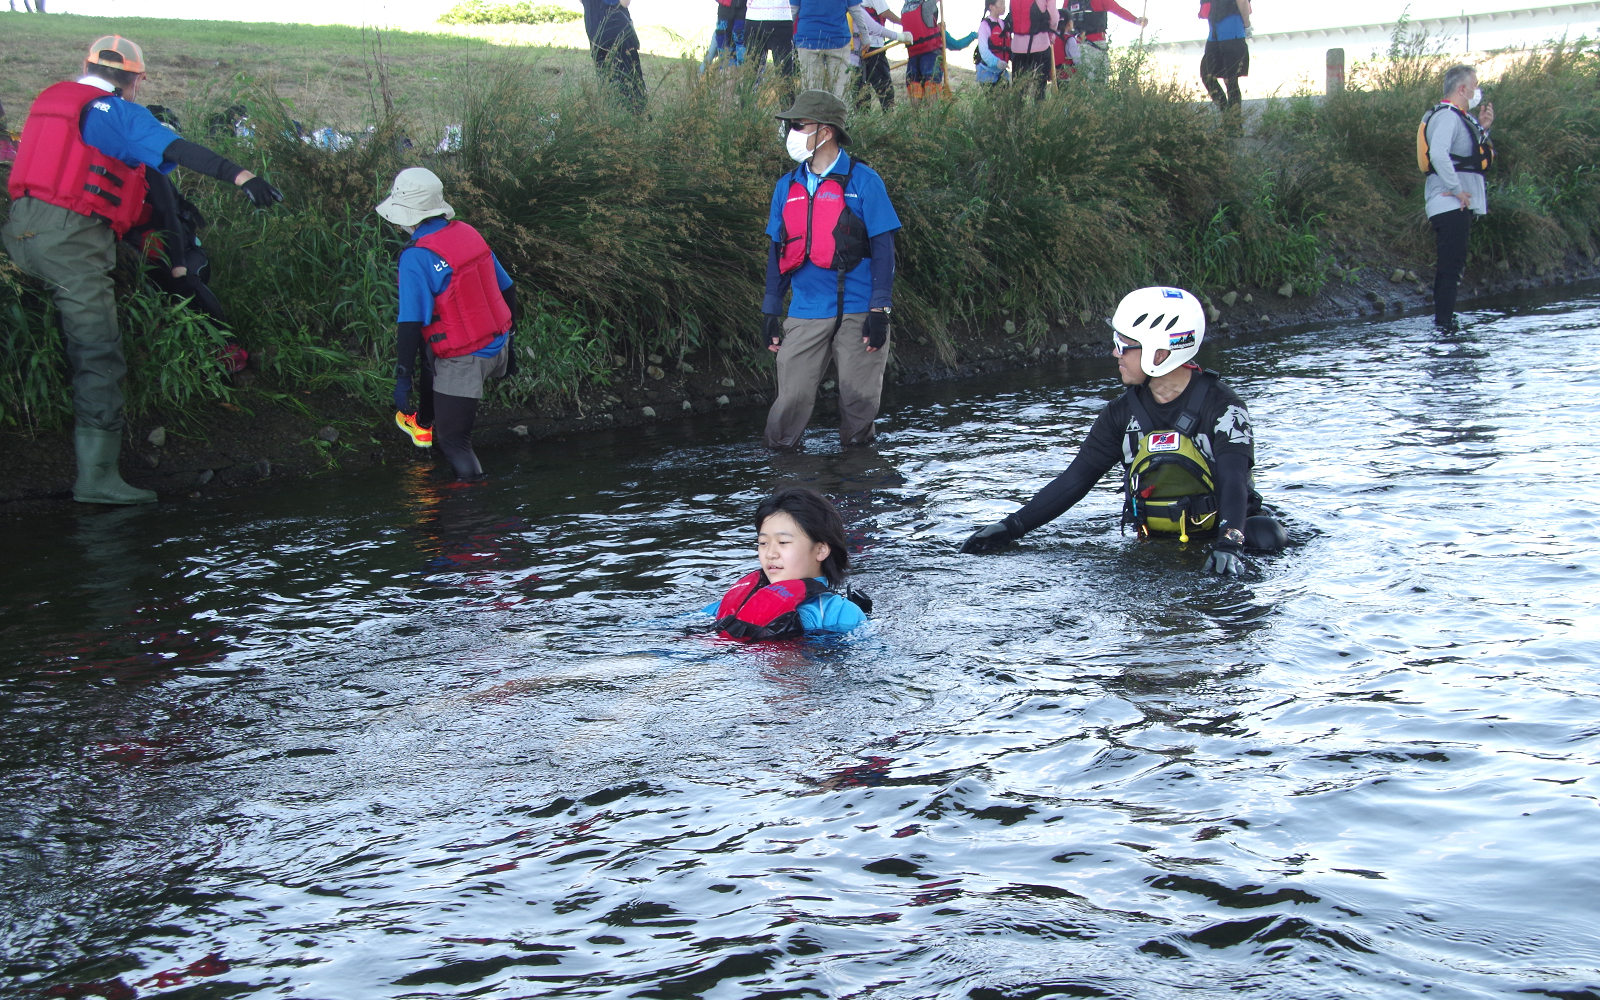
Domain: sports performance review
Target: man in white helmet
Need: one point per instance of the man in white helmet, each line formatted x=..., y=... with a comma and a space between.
x=1184, y=440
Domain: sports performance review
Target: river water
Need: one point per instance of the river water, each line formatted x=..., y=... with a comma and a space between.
x=373, y=736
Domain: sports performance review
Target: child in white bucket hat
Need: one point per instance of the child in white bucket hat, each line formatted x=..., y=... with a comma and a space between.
x=457, y=307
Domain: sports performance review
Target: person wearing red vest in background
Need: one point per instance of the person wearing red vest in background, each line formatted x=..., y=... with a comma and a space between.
x=993, y=54
x=832, y=231
x=457, y=306
x=1089, y=21
x=77, y=185
x=1033, y=28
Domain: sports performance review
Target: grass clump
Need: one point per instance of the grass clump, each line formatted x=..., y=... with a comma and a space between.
x=522, y=12
x=633, y=235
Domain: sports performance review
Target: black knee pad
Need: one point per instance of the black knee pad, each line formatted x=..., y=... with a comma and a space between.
x=1264, y=533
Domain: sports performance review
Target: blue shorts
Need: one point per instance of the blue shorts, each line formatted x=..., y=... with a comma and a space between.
x=924, y=68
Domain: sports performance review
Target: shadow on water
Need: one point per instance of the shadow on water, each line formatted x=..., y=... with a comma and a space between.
x=384, y=736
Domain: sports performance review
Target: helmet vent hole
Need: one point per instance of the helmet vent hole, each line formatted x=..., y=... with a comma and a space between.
x=1172, y=322
x=1140, y=319
x=1157, y=321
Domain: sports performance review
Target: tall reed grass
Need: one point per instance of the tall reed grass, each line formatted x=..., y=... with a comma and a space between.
x=631, y=235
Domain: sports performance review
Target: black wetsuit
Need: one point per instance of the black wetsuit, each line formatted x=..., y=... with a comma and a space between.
x=1223, y=435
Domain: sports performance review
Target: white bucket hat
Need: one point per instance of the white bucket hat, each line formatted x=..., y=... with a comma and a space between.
x=418, y=194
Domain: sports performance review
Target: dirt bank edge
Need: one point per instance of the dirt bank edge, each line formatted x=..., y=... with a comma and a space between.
x=264, y=443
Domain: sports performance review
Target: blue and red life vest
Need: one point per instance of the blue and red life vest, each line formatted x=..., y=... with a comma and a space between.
x=471, y=311
x=820, y=227
x=57, y=167
x=754, y=609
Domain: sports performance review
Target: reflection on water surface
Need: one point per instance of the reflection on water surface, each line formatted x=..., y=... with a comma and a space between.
x=380, y=737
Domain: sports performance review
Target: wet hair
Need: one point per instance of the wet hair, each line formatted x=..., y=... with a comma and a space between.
x=118, y=78
x=818, y=519
x=1455, y=76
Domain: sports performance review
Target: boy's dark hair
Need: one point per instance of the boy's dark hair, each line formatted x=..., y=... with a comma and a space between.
x=817, y=518
x=118, y=78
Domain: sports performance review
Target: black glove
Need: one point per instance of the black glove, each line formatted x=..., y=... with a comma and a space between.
x=260, y=193
x=771, y=330
x=990, y=539
x=1226, y=559
x=876, y=330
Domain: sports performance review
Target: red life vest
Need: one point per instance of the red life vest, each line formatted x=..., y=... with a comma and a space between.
x=925, y=37
x=820, y=227
x=471, y=311
x=999, y=41
x=755, y=609
x=56, y=166
x=1028, y=17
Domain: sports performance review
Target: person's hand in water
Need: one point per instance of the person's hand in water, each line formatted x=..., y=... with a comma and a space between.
x=1226, y=559
x=989, y=539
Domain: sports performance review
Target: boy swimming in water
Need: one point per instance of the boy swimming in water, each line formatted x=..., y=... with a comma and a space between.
x=800, y=542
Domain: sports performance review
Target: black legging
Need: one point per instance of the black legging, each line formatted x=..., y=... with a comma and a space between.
x=1032, y=69
x=1227, y=100
x=874, y=72
x=1452, y=230
x=620, y=66
x=451, y=418
x=777, y=37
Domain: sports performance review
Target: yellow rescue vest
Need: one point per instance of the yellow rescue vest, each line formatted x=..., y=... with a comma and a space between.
x=1169, y=486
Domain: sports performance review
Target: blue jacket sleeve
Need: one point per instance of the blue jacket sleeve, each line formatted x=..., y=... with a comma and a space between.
x=882, y=271
x=777, y=284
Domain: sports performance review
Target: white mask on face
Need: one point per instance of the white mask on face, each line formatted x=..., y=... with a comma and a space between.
x=796, y=144
x=1476, y=98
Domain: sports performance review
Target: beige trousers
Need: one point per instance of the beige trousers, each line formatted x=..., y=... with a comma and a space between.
x=825, y=69
x=808, y=346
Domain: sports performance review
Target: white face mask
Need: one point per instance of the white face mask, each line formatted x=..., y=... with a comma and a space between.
x=796, y=144
x=1476, y=99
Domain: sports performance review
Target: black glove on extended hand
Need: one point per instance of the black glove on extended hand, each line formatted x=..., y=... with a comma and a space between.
x=990, y=539
x=260, y=193
x=771, y=329
x=876, y=330
x=1226, y=559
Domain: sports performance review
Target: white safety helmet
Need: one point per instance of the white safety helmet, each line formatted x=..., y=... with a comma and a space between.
x=1159, y=319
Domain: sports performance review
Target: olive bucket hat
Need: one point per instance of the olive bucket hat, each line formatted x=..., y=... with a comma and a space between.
x=822, y=107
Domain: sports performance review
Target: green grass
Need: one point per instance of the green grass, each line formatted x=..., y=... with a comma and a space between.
x=632, y=235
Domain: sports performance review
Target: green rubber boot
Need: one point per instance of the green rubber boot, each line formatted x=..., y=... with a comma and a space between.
x=98, y=478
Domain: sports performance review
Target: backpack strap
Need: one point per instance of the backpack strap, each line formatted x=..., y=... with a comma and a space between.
x=1189, y=419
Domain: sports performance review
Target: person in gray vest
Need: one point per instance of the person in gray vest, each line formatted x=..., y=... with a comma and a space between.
x=1455, y=151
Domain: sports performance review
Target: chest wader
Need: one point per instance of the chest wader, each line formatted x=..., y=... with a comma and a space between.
x=1169, y=487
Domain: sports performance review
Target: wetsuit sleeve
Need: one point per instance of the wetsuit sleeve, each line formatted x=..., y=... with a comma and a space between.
x=1112, y=7
x=509, y=293
x=408, y=343
x=1233, y=489
x=1102, y=449
x=882, y=271
x=777, y=284
x=193, y=156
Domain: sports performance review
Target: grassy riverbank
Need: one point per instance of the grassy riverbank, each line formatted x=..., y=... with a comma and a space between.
x=634, y=238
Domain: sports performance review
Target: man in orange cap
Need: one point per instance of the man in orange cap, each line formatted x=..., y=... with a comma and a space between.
x=78, y=183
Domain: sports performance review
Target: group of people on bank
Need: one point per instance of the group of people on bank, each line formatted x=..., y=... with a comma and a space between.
x=1184, y=439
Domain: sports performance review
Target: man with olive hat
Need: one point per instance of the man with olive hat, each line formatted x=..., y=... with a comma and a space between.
x=77, y=185
x=456, y=309
x=832, y=230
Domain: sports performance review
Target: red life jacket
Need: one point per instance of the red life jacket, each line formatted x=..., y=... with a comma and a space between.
x=471, y=311
x=1028, y=17
x=820, y=227
x=755, y=609
x=925, y=37
x=999, y=40
x=57, y=167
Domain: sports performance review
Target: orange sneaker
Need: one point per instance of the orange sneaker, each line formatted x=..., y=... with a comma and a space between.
x=422, y=437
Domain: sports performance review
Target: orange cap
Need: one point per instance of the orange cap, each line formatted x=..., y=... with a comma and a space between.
x=132, y=56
